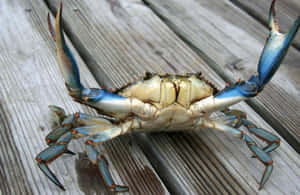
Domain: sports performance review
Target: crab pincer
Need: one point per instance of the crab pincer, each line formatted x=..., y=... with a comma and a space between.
x=275, y=49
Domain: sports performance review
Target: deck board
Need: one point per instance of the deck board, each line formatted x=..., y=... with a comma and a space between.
x=231, y=42
x=125, y=40
x=30, y=81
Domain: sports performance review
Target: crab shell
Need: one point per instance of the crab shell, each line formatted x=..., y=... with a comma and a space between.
x=173, y=96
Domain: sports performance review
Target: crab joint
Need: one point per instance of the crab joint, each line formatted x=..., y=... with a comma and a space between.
x=77, y=115
x=89, y=142
x=74, y=132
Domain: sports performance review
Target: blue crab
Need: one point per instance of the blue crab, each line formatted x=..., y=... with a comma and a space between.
x=160, y=103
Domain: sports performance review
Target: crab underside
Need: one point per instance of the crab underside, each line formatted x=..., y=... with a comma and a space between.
x=160, y=103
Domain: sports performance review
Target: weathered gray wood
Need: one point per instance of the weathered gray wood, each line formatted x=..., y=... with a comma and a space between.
x=30, y=81
x=231, y=42
x=120, y=40
x=287, y=11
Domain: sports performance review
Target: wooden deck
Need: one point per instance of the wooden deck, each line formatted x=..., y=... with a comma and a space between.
x=117, y=41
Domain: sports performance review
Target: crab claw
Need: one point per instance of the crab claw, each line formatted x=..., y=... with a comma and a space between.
x=273, y=53
x=275, y=49
x=67, y=63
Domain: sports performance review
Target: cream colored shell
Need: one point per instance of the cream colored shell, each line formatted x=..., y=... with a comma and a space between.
x=163, y=91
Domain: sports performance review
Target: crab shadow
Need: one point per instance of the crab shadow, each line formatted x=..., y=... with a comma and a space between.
x=89, y=177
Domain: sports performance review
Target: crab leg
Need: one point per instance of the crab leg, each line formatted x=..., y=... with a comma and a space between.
x=106, y=102
x=99, y=160
x=236, y=117
x=240, y=118
x=50, y=154
x=272, y=140
x=76, y=126
x=274, y=51
x=258, y=152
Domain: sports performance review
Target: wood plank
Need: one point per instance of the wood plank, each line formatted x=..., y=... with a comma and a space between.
x=231, y=42
x=30, y=81
x=287, y=11
x=120, y=40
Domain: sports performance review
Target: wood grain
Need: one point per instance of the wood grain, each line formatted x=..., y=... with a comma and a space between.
x=119, y=40
x=231, y=42
x=30, y=81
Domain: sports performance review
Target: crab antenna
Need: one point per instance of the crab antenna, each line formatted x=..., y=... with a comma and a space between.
x=67, y=63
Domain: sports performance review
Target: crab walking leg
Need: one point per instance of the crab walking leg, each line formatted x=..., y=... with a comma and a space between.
x=258, y=152
x=76, y=126
x=50, y=154
x=274, y=52
x=236, y=117
x=240, y=118
x=272, y=140
x=100, y=99
x=99, y=160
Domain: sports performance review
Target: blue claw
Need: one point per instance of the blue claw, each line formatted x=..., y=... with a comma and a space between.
x=274, y=51
x=70, y=71
x=275, y=48
x=68, y=65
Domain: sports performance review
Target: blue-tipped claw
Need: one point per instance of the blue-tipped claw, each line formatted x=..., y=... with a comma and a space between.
x=67, y=62
x=273, y=53
x=275, y=48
